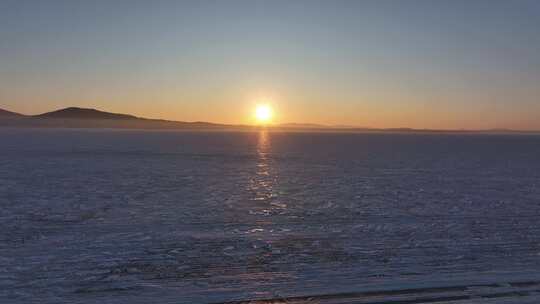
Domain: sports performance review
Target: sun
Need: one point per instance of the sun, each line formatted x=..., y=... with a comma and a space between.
x=263, y=113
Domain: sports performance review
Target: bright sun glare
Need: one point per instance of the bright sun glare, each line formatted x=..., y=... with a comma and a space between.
x=263, y=113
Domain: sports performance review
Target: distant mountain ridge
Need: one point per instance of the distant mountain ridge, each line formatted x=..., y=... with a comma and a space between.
x=317, y=126
x=83, y=113
x=5, y=113
x=302, y=125
x=75, y=117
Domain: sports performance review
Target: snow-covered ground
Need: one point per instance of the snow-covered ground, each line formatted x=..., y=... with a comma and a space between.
x=90, y=216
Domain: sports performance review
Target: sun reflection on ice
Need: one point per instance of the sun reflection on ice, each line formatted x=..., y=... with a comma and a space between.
x=264, y=181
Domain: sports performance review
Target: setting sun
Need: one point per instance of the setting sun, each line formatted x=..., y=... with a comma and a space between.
x=263, y=113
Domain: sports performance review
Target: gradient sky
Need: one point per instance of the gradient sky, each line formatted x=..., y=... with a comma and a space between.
x=422, y=64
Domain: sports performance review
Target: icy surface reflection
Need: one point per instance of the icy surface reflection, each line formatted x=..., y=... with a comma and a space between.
x=262, y=185
x=179, y=217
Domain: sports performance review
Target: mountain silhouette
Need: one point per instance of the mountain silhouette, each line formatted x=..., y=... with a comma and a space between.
x=82, y=113
x=74, y=117
x=4, y=113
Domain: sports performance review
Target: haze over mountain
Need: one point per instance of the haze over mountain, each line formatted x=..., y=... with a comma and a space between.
x=82, y=113
x=75, y=117
x=318, y=126
x=87, y=117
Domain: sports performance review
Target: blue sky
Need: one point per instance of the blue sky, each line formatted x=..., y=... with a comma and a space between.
x=427, y=64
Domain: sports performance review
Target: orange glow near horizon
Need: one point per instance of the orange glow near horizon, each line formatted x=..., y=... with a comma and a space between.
x=326, y=63
x=380, y=109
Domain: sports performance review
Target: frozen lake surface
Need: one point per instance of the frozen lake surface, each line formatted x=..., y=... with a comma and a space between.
x=90, y=216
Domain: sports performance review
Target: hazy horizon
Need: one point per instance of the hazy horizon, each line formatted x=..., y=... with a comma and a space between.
x=380, y=64
x=272, y=124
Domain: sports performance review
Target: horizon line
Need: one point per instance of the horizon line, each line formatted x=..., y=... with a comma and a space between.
x=303, y=125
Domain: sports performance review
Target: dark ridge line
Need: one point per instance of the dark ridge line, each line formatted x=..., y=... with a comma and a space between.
x=400, y=292
x=85, y=114
x=6, y=113
x=80, y=113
